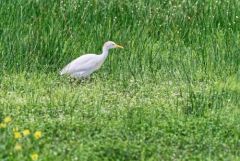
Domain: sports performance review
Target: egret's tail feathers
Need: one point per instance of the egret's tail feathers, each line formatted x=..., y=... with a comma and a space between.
x=63, y=71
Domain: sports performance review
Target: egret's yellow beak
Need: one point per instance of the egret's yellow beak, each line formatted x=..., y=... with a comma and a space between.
x=119, y=46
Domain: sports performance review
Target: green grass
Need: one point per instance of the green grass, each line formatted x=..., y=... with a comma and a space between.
x=172, y=93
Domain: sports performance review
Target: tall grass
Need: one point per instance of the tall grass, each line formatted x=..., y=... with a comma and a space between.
x=44, y=35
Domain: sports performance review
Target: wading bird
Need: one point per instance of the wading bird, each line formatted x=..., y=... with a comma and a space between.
x=86, y=64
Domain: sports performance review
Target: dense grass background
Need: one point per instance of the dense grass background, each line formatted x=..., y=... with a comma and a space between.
x=172, y=93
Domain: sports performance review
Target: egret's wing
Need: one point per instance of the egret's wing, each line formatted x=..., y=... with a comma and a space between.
x=82, y=63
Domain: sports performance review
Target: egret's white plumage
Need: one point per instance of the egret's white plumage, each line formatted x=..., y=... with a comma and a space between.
x=85, y=65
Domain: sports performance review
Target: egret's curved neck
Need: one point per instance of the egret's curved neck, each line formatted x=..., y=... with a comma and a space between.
x=105, y=52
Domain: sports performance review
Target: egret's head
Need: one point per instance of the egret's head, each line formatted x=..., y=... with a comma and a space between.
x=111, y=45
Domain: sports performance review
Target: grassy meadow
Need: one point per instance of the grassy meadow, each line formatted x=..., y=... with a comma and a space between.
x=171, y=94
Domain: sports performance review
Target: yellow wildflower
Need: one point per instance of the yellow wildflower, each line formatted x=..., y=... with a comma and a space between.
x=3, y=125
x=18, y=147
x=38, y=134
x=34, y=156
x=15, y=129
x=7, y=119
x=26, y=132
x=17, y=135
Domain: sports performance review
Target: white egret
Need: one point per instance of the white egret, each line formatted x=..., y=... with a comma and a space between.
x=85, y=65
